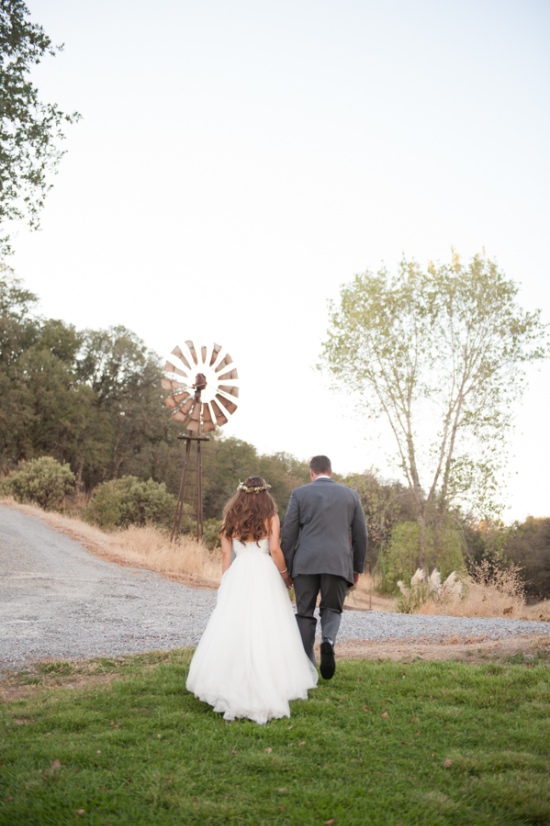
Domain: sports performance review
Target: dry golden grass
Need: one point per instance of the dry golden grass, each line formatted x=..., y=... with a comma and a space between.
x=483, y=601
x=151, y=548
x=539, y=611
x=489, y=593
x=479, y=601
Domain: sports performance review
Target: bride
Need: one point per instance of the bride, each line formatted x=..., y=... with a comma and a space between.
x=250, y=660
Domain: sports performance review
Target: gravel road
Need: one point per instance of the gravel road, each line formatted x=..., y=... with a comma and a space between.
x=59, y=601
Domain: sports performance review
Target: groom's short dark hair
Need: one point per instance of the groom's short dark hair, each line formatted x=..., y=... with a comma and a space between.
x=320, y=464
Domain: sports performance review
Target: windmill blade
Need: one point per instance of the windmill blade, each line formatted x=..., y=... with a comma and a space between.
x=173, y=385
x=221, y=418
x=176, y=399
x=171, y=368
x=231, y=391
x=215, y=352
x=178, y=352
x=183, y=412
x=207, y=421
x=224, y=362
x=191, y=347
x=228, y=376
x=229, y=405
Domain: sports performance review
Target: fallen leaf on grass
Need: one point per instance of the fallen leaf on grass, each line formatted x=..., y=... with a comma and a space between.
x=282, y=790
x=269, y=750
x=56, y=764
x=367, y=708
x=385, y=715
x=447, y=763
x=330, y=822
x=80, y=811
x=302, y=743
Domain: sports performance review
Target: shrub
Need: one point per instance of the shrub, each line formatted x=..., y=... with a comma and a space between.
x=43, y=481
x=130, y=501
x=211, y=534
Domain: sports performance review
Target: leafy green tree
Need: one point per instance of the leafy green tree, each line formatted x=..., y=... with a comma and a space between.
x=17, y=329
x=226, y=462
x=284, y=473
x=31, y=131
x=45, y=408
x=440, y=355
x=125, y=380
x=528, y=546
x=385, y=505
x=91, y=399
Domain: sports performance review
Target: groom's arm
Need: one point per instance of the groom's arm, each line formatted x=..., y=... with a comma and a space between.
x=290, y=531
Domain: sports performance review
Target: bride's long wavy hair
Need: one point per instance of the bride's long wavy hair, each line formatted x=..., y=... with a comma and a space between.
x=248, y=515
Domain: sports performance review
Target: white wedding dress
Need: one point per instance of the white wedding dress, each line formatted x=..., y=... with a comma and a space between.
x=250, y=660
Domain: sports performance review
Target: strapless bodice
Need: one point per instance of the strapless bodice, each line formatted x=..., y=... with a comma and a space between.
x=261, y=546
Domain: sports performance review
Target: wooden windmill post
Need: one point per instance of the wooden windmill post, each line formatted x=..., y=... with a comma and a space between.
x=198, y=404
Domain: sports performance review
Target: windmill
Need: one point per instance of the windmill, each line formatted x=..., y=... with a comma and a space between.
x=202, y=387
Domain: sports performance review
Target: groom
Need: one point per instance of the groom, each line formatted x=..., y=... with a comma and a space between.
x=315, y=539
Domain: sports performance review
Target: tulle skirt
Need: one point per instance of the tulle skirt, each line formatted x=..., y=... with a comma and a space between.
x=250, y=660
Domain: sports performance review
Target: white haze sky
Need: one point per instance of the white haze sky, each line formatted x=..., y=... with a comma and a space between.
x=238, y=161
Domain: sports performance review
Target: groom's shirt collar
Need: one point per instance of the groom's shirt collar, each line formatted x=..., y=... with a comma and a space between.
x=321, y=476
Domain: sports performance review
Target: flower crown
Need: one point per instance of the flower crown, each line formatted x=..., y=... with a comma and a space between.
x=257, y=489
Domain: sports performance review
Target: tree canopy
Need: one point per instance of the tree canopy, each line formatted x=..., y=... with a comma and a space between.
x=440, y=355
x=31, y=131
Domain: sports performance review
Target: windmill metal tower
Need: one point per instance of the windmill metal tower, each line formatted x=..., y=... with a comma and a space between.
x=202, y=387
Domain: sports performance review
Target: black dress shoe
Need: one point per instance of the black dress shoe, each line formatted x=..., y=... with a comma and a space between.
x=328, y=663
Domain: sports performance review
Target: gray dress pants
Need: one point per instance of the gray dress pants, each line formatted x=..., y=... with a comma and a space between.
x=333, y=590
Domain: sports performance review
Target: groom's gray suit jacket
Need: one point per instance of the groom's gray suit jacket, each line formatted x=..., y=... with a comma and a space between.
x=324, y=531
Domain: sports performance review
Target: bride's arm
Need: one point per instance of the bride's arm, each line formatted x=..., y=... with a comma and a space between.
x=276, y=552
x=227, y=551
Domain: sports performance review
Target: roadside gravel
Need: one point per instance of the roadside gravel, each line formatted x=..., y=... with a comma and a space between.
x=59, y=601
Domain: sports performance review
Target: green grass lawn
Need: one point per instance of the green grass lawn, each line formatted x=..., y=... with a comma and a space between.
x=382, y=743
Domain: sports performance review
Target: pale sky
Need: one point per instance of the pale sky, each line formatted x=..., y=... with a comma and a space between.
x=238, y=161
